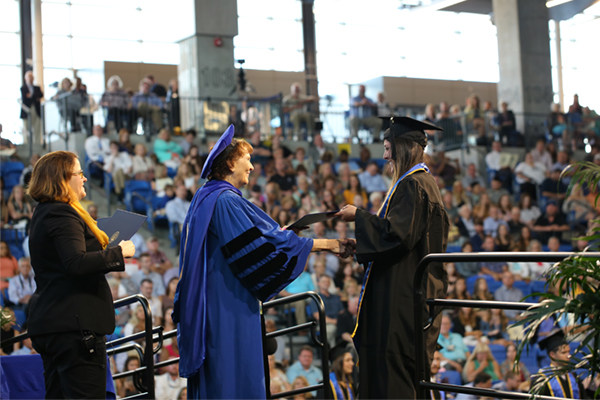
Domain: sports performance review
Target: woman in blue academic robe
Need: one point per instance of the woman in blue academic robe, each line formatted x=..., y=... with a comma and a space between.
x=233, y=257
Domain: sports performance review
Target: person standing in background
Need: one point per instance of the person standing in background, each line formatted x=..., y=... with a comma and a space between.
x=362, y=109
x=31, y=97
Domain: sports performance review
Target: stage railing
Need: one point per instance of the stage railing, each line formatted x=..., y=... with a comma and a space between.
x=312, y=325
x=148, y=358
x=422, y=382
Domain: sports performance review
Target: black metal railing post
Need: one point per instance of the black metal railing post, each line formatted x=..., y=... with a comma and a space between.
x=148, y=351
x=420, y=380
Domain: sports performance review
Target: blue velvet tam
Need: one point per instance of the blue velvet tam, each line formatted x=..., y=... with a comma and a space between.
x=222, y=144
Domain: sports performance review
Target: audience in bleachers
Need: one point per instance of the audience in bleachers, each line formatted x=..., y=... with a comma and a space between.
x=177, y=209
x=9, y=267
x=304, y=367
x=481, y=360
x=170, y=384
x=97, y=146
x=21, y=286
x=491, y=209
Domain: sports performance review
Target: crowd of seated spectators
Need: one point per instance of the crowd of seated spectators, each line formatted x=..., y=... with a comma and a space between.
x=499, y=207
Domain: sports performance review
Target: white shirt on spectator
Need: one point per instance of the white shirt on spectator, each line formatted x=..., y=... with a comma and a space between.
x=176, y=210
x=542, y=157
x=530, y=214
x=142, y=164
x=115, y=162
x=19, y=287
x=97, y=149
x=490, y=225
x=537, y=173
x=372, y=183
x=529, y=270
x=167, y=388
x=492, y=160
x=140, y=244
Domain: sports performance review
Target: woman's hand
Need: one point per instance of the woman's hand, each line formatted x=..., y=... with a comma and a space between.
x=347, y=213
x=127, y=248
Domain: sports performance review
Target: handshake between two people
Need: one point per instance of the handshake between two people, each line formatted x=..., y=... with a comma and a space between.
x=347, y=247
x=344, y=248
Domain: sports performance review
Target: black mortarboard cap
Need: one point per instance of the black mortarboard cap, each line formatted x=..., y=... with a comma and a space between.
x=338, y=350
x=555, y=339
x=409, y=128
x=439, y=347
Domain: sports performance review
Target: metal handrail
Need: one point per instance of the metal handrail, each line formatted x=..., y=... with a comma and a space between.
x=312, y=325
x=420, y=380
x=148, y=334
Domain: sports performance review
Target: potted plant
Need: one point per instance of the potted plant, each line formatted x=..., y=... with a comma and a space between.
x=577, y=280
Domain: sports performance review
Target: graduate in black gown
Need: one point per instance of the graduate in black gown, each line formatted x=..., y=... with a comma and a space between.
x=411, y=224
x=566, y=386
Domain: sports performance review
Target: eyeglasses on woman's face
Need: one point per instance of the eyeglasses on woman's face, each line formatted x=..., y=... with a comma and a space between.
x=80, y=173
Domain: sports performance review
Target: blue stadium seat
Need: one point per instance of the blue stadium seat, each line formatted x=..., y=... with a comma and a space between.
x=530, y=359
x=538, y=286
x=11, y=173
x=499, y=352
x=451, y=377
x=16, y=250
x=523, y=286
x=380, y=163
x=137, y=195
x=493, y=285
x=491, y=173
x=471, y=282
x=154, y=220
x=453, y=249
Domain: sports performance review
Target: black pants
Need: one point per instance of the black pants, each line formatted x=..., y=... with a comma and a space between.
x=71, y=371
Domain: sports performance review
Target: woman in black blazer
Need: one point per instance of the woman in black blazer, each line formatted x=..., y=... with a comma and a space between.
x=71, y=310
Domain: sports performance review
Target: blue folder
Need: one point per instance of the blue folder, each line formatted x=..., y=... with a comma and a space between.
x=121, y=226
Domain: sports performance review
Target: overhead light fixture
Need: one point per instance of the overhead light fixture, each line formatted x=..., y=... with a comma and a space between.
x=438, y=5
x=554, y=3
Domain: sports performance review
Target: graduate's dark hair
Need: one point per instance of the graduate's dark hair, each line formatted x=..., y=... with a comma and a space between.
x=221, y=167
x=337, y=367
x=408, y=153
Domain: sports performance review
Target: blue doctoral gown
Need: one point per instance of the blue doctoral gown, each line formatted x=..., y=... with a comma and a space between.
x=233, y=256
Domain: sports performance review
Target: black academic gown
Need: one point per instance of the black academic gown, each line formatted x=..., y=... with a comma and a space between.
x=416, y=225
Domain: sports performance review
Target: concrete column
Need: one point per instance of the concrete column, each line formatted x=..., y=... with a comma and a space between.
x=207, y=68
x=310, y=52
x=558, y=46
x=26, y=46
x=525, y=66
x=38, y=54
